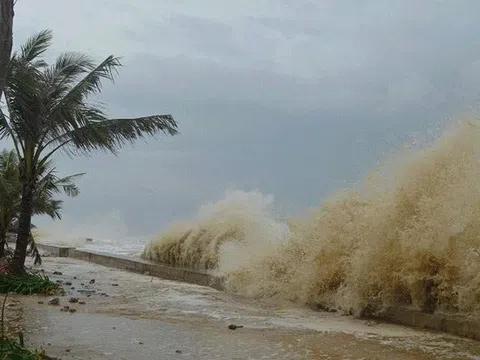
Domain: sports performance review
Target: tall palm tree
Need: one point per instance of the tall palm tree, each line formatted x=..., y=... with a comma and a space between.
x=44, y=201
x=49, y=109
x=6, y=39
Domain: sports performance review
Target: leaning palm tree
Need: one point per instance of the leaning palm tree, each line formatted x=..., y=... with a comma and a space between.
x=44, y=198
x=49, y=109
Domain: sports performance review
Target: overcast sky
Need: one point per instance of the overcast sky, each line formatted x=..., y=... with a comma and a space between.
x=291, y=97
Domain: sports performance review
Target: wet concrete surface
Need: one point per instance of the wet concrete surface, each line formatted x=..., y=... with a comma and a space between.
x=130, y=316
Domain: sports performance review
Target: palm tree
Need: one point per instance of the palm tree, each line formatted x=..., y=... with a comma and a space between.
x=6, y=39
x=48, y=109
x=10, y=192
x=44, y=202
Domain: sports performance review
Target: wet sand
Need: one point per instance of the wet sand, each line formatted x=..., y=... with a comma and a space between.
x=130, y=316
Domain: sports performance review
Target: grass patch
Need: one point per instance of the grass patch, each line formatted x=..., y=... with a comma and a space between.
x=27, y=284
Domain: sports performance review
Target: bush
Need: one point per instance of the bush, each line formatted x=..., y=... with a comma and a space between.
x=13, y=350
x=27, y=284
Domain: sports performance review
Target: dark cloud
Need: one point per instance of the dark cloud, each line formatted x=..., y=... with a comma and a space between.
x=292, y=97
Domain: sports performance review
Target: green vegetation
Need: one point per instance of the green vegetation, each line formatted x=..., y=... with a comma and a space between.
x=44, y=203
x=27, y=284
x=48, y=109
x=13, y=350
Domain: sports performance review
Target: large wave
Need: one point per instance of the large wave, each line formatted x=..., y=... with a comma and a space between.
x=409, y=234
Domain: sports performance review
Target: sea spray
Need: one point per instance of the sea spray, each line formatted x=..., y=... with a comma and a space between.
x=408, y=236
x=224, y=235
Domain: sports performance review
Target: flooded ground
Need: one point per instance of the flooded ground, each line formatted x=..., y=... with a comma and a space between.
x=130, y=316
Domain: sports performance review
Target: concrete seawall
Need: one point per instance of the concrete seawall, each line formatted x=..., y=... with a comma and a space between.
x=449, y=323
x=148, y=267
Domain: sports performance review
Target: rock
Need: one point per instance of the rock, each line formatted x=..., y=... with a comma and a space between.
x=92, y=281
x=65, y=308
x=87, y=291
x=81, y=302
x=68, y=283
x=54, y=301
x=72, y=310
x=59, y=281
x=178, y=351
x=72, y=288
x=40, y=302
x=114, y=284
x=57, y=273
x=140, y=343
x=73, y=300
x=235, y=327
x=74, y=278
x=67, y=350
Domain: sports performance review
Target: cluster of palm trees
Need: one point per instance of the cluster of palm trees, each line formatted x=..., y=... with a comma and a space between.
x=47, y=109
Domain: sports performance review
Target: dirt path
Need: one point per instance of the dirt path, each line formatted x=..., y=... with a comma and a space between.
x=130, y=316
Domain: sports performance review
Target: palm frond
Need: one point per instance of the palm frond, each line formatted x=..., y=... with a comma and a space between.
x=60, y=76
x=68, y=185
x=111, y=135
x=68, y=108
x=92, y=82
x=49, y=207
x=36, y=46
x=33, y=250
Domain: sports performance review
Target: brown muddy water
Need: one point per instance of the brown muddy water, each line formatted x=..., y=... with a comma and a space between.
x=131, y=316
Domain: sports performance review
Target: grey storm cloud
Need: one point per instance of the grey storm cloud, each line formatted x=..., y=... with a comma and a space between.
x=294, y=98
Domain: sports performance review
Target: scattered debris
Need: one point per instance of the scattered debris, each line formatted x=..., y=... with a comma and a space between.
x=87, y=291
x=235, y=327
x=54, y=301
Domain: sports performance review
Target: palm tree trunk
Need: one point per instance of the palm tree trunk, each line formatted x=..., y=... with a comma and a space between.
x=24, y=228
x=6, y=38
x=3, y=241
